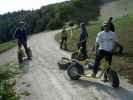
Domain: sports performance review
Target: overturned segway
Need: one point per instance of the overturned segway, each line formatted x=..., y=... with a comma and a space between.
x=75, y=70
x=64, y=63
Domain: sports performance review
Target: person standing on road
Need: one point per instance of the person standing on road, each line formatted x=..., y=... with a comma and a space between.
x=83, y=39
x=105, y=42
x=21, y=36
x=64, y=36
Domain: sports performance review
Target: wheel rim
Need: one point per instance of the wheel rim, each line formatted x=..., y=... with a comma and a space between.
x=73, y=71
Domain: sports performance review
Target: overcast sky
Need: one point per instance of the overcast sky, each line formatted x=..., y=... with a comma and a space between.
x=15, y=5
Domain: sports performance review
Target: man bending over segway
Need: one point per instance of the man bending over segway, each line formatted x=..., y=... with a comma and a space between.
x=105, y=42
x=21, y=36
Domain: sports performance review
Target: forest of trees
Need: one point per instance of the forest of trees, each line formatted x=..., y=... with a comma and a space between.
x=49, y=17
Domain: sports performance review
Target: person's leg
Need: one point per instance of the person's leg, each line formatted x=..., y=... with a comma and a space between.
x=19, y=44
x=62, y=40
x=120, y=48
x=26, y=48
x=84, y=51
x=99, y=56
x=65, y=42
x=108, y=57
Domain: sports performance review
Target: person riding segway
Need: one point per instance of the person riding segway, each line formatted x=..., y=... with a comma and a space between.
x=21, y=36
x=105, y=42
x=64, y=35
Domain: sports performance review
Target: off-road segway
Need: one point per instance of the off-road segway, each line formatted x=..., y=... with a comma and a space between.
x=75, y=68
x=21, y=55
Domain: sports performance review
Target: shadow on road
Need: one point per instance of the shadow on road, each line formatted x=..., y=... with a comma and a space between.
x=25, y=66
x=120, y=93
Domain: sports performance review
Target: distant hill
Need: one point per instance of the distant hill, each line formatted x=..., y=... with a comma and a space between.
x=49, y=17
x=117, y=8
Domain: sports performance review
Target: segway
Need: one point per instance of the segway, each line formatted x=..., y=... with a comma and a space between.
x=76, y=70
x=21, y=55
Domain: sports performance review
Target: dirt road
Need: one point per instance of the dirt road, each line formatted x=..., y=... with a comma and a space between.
x=44, y=81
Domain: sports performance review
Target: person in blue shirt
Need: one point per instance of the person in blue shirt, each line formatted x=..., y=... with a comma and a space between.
x=83, y=39
x=21, y=36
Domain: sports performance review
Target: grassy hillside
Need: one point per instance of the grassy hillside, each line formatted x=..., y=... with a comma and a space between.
x=122, y=63
x=117, y=8
x=6, y=46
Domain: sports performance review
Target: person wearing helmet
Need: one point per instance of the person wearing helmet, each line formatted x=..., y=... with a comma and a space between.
x=21, y=36
x=105, y=42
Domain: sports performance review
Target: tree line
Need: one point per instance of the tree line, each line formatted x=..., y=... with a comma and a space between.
x=49, y=17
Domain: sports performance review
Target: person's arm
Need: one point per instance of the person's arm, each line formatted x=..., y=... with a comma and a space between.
x=115, y=37
x=15, y=35
x=25, y=34
x=71, y=31
x=98, y=41
x=61, y=34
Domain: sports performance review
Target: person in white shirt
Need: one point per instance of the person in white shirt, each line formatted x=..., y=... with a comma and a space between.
x=105, y=42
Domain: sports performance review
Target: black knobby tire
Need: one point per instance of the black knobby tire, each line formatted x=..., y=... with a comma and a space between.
x=113, y=77
x=75, y=70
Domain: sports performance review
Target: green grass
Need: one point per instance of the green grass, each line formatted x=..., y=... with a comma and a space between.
x=8, y=73
x=6, y=46
x=124, y=28
x=117, y=8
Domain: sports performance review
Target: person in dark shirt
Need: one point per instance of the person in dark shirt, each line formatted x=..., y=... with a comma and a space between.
x=83, y=39
x=21, y=36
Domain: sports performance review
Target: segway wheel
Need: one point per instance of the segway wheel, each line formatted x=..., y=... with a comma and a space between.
x=113, y=77
x=75, y=71
x=29, y=53
x=20, y=55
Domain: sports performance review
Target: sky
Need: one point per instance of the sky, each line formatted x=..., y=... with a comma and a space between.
x=15, y=5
